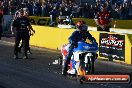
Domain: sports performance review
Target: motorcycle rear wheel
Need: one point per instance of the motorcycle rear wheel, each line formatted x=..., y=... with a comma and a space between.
x=91, y=67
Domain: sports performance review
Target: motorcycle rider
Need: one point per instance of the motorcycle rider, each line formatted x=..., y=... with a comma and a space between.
x=81, y=33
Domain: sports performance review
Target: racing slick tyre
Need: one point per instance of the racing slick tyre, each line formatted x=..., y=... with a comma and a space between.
x=91, y=66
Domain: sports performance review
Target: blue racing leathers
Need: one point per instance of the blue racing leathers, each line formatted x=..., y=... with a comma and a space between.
x=73, y=40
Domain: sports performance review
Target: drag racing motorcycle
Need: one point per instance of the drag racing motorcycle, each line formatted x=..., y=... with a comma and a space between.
x=82, y=60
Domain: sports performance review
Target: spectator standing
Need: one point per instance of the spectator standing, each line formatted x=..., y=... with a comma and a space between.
x=130, y=11
x=43, y=9
x=118, y=10
x=1, y=22
x=86, y=10
x=115, y=13
x=103, y=19
x=5, y=9
x=30, y=8
x=96, y=8
x=62, y=10
x=68, y=10
x=39, y=9
x=53, y=16
x=75, y=10
x=124, y=12
x=91, y=12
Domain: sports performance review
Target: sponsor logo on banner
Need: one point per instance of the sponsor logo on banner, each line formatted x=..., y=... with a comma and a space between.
x=112, y=41
x=112, y=46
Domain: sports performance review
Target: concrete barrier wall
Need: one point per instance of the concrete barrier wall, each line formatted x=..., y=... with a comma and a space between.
x=50, y=37
x=54, y=38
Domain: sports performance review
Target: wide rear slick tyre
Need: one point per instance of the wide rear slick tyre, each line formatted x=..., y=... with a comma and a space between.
x=91, y=68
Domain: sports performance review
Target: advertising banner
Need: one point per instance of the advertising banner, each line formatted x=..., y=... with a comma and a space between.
x=112, y=46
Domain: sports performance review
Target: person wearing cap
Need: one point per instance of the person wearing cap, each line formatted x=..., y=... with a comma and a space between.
x=103, y=19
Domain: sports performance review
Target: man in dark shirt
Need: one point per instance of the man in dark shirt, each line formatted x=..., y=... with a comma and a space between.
x=31, y=31
x=22, y=26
